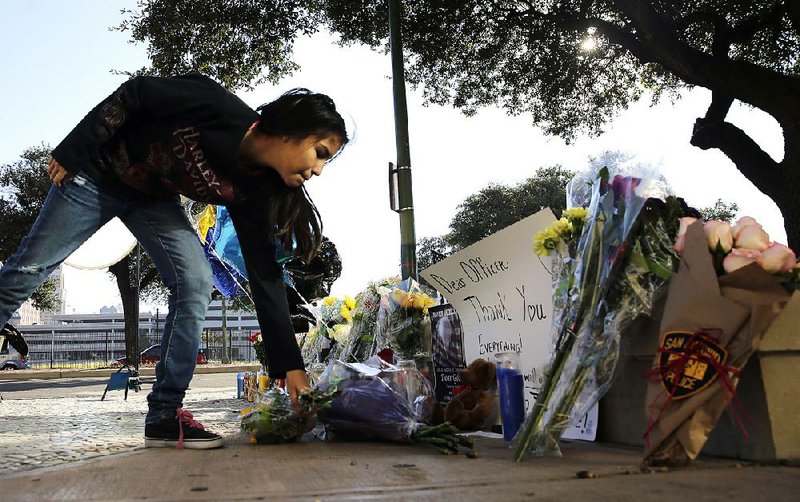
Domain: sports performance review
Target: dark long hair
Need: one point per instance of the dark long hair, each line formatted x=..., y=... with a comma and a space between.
x=293, y=217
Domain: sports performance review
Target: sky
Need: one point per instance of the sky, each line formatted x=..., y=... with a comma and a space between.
x=57, y=60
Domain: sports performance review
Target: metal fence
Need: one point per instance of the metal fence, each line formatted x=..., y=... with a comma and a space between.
x=103, y=349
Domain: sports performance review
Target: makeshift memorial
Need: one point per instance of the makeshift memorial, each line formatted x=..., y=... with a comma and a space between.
x=325, y=340
x=611, y=260
x=361, y=342
x=403, y=322
x=384, y=404
x=272, y=419
x=731, y=284
x=472, y=403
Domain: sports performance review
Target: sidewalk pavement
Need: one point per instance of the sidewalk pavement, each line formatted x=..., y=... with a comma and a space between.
x=60, y=442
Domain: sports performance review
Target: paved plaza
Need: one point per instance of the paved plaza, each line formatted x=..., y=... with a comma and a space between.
x=53, y=421
x=60, y=442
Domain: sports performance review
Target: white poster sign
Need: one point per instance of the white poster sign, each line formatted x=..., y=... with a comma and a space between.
x=502, y=291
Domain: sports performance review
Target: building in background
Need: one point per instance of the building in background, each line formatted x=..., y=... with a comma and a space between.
x=28, y=315
x=96, y=340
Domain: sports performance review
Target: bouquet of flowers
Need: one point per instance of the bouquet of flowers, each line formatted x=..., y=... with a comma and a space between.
x=611, y=261
x=403, y=322
x=261, y=350
x=387, y=404
x=272, y=419
x=334, y=321
x=361, y=342
x=731, y=284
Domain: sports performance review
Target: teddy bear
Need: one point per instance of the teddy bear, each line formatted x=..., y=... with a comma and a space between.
x=472, y=402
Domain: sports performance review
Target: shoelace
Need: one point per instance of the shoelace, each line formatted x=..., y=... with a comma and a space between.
x=184, y=417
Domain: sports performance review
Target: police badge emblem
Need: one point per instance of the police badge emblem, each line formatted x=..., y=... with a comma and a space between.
x=689, y=362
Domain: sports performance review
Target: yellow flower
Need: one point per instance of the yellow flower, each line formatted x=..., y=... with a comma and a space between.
x=329, y=300
x=423, y=301
x=351, y=304
x=562, y=227
x=544, y=242
x=345, y=312
x=340, y=333
x=576, y=214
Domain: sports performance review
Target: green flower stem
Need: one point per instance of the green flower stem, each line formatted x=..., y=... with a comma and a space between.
x=592, y=258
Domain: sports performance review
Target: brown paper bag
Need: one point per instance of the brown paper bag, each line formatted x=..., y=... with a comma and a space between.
x=710, y=328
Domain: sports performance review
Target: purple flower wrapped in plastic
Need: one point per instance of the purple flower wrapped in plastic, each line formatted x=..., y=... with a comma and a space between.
x=387, y=404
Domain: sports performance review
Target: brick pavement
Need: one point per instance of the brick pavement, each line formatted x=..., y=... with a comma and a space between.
x=50, y=422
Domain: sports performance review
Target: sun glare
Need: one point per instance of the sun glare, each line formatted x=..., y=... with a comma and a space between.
x=589, y=44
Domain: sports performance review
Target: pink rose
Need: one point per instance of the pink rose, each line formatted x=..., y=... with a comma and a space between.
x=739, y=258
x=777, y=259
x=718, y=233
x=743, y=222
x=751, y=237
x=683, y=224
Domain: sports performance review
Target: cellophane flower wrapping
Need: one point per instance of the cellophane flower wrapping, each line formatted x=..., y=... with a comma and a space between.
x=361, y=344
x=272, y=419
x=324, y=342
x=713, y=321
x=387, y=404
x=605, y=275
x=403, y=322
x=378, y=401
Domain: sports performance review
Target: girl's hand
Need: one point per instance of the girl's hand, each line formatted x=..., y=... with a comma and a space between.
x=296, y=381
x=57, y=172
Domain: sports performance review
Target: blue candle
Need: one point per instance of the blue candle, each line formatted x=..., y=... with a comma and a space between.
x=511, y=386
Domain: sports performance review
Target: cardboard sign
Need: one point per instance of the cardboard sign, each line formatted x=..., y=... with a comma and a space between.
x=502, y=292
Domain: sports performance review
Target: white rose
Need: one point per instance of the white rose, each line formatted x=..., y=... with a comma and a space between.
x=777, y=259
x=718, y=233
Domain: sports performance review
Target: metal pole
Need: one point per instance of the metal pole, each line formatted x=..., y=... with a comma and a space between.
x=408, y=240
x=225, y=358
x=137, y=285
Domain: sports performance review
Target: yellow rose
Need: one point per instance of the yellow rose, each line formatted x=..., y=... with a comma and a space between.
x=345, y=312
x=329, y=300
x=351, y=304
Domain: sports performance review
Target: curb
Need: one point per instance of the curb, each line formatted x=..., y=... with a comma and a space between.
x=107, y=372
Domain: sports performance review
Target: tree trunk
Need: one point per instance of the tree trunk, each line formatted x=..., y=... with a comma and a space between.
x=123, y=271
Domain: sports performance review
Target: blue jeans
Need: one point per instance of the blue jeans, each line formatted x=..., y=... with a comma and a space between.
x=70, y=215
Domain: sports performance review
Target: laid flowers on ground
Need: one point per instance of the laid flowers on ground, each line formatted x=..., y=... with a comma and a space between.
x=272, y=419
x=610, y=261
x=721, y=303
x=332, y=331
x=403, y=322
x=387, y=404
x=361, y=341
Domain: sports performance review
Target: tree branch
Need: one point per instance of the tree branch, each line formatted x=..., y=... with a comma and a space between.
x=746, y=81
x=753, y=162
x=793, y=11
x=718, y=109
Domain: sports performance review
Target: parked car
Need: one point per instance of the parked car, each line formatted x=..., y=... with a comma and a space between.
x=152, y=354
x=11, y=343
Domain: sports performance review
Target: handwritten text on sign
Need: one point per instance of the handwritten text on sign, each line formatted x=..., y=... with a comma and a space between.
x=502, y=292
